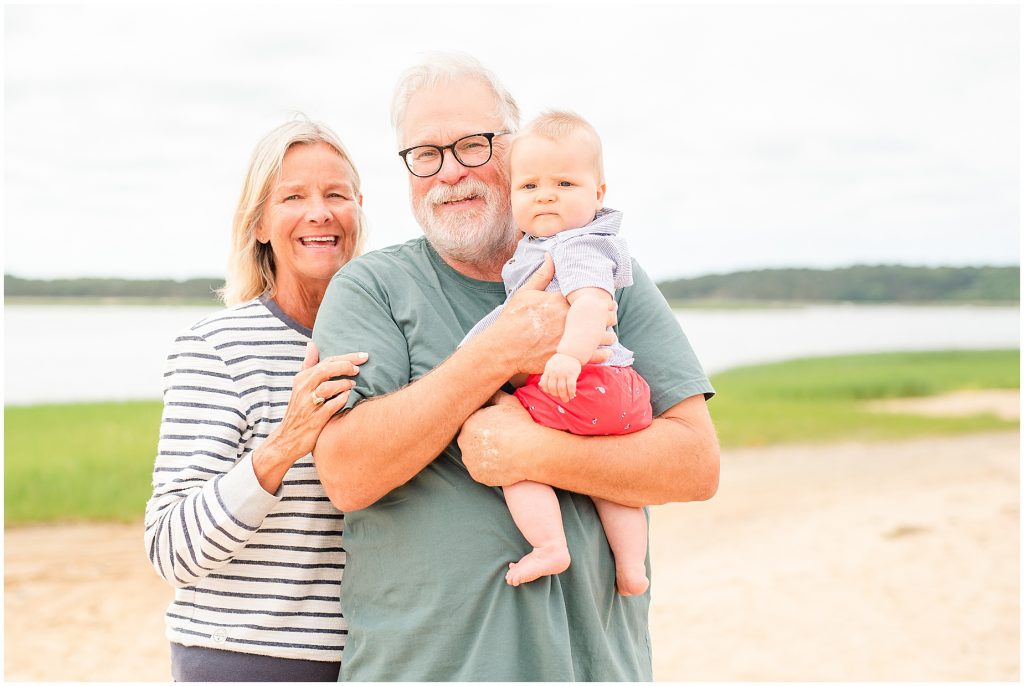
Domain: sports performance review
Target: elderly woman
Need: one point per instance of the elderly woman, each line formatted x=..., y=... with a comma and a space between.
x=238, y=522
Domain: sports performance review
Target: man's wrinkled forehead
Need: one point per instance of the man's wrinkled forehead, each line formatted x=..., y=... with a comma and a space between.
x=439, y=113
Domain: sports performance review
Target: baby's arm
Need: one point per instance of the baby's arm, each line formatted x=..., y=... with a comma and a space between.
x=585, y=325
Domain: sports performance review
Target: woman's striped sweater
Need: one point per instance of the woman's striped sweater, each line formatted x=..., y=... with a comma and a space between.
x=254, y=572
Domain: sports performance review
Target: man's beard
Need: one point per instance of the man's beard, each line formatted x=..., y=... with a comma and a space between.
x=480, y=236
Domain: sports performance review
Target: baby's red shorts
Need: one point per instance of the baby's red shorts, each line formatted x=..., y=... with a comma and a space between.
x=610, y=401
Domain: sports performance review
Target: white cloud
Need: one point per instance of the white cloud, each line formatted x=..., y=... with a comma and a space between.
x=735, y=136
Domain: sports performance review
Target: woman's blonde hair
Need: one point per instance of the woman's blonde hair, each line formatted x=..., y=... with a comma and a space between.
x=251, y=264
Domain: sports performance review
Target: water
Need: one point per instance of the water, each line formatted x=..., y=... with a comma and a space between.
x=59, y=353
x=81, y=353
x=731, y=338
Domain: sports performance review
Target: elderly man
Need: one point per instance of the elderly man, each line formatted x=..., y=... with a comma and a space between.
x=427, y=533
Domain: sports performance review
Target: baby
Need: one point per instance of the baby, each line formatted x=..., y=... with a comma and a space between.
x=557, y=179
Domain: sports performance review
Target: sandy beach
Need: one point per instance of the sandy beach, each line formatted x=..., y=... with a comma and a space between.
x=855, y=561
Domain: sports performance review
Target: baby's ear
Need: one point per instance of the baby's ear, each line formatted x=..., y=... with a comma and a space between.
x=600, y=195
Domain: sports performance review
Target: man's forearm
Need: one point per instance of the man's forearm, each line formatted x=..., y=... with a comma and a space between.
x=675, y=459
x=634, y=472
x=382, y=443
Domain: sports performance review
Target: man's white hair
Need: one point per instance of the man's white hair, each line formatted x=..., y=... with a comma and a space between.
x=447, y=67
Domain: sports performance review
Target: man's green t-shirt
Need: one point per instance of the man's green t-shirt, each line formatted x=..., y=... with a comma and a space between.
x=424, y=587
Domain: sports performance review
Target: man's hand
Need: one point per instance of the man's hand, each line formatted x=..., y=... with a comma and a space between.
x=532, y=322
x=560, y=375
x=489, y=440
x=675, y=459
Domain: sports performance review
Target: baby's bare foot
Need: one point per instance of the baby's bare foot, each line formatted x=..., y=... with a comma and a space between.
x=632, y=580
x=542, y=561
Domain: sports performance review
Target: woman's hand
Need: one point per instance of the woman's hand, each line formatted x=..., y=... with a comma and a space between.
x=316, y=396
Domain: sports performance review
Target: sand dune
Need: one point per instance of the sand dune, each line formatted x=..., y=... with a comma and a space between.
x=882, y=561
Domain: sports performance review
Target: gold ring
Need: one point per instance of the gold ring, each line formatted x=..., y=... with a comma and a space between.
x=317, y=400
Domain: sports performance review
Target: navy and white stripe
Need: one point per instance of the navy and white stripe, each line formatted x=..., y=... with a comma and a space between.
x=254, y=572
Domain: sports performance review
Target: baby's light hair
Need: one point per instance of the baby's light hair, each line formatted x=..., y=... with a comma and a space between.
x=557, y=125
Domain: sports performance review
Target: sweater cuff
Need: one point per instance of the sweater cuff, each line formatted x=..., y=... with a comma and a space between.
x=243, y=496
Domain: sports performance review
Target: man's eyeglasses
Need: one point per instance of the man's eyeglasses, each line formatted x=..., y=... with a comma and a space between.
x=470, y=151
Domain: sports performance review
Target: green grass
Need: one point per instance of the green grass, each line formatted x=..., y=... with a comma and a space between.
x=78, y=462
x=823, y=399
x=94, y=461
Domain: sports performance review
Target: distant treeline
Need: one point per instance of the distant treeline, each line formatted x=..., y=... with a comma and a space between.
x=192, y=289
x=859, y=284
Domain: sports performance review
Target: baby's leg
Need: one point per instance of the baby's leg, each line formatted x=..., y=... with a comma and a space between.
x=626, y=529
x=534, y=508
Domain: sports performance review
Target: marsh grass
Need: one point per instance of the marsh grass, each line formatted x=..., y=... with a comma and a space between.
x=90, y=461
x=93, y=461
x=824, y=399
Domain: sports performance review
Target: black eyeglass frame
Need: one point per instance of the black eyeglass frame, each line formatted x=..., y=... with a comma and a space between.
x=441, y=148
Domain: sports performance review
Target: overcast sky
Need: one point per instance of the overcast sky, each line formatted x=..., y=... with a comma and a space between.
x=735, y=136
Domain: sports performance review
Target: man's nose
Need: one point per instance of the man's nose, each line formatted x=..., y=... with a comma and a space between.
x=451, y=171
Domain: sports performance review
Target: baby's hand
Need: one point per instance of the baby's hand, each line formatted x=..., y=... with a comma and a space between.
x=560, y=374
